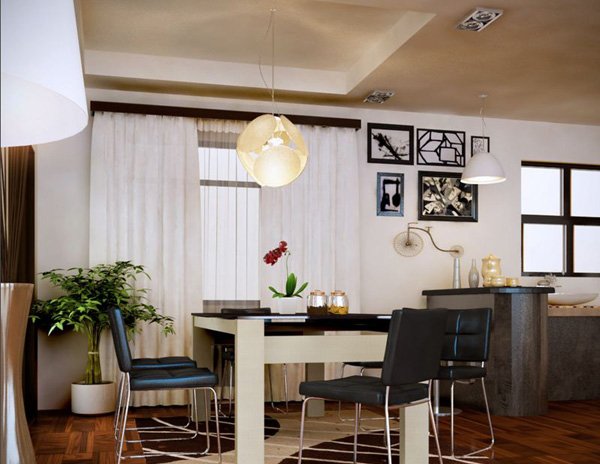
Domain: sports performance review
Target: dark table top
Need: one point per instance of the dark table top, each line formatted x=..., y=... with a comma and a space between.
x=345, y=322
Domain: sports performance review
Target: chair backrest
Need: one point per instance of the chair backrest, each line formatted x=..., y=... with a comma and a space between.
x=414, y=346
x=246, y=311
x=119, y=335
x=467, y=335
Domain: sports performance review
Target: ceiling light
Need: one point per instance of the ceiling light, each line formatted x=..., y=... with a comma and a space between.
x=378, y=96
x=483, y=167
x=479, y=19
x=43, y=95
x=271, y=148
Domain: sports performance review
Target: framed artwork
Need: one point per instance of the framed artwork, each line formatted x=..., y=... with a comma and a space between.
x=440, y=148
x=390, y=144
x=442, y=197
x=479, y=145
x=390, y=194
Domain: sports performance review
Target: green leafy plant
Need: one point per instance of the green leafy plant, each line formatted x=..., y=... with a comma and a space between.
x=291, y=280
x=88, y=293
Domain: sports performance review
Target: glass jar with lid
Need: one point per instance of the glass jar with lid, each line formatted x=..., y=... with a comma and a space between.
x=338, y=302
x=317, y=302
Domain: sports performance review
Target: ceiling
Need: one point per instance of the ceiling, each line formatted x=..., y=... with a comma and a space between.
x=539, y=61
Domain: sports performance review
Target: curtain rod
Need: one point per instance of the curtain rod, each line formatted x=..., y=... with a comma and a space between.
x=159, y=110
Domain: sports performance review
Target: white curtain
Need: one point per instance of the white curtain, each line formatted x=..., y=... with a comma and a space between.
x=145, y=207
x=318, y=216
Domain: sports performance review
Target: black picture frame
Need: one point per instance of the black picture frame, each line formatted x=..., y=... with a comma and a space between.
x=390, y=194
x=479, y=144
x=390, y=144
x=442, y=197
x=440, y=147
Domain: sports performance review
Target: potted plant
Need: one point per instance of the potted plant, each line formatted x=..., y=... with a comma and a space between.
x=284, y=300
x=88, y=293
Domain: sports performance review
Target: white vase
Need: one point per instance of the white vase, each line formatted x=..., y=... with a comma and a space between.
x=93, y=399
x=473, y=275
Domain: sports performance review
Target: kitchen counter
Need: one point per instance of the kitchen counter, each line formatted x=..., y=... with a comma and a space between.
x=518, y=365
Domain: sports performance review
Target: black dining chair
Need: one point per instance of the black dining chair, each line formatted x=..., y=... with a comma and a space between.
x=412, y=356
x=465, y=352
x=190, y=378
x=224, y=350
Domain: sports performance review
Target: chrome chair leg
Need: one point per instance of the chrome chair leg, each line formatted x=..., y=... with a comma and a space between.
x=119, y=448
x=303, y=415
x=388, y=442
x=356, y=419
x=472, y=454
x=435, y=433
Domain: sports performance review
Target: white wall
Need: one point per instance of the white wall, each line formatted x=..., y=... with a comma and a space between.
x=388, y=280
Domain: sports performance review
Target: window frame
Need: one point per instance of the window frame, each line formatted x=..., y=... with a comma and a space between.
x=216, y=305
x=565, y=219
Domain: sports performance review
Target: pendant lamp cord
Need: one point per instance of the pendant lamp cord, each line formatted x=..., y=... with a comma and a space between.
x=270, y=28
x=481, y=114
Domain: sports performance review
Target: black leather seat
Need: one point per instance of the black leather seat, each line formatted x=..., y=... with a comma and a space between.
x=412, y=355
x=466, y=349
x=169, y=362
x=144, y=379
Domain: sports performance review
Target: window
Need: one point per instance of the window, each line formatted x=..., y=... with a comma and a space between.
x=230, y=230
x=560, y=219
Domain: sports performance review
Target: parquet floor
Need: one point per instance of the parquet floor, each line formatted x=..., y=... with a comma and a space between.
x=568, y=434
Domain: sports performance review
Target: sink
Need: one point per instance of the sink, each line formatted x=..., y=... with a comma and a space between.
x=567, y=299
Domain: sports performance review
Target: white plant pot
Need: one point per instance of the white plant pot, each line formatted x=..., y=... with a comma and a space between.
x=288, y=305
x=93, y=399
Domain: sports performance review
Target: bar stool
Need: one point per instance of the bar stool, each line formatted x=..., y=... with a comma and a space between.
x=465, y=352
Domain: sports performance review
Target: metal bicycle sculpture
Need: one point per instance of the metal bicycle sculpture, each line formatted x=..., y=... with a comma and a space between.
x=410, y=243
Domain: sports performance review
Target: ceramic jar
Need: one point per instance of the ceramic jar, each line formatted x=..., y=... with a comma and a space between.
x=491, y=271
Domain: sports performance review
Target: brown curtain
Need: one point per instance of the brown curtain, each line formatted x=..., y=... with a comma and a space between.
x=17, y=226
x=17, y=247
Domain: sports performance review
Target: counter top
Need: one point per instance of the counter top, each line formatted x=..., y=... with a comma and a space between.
x=487, y=290
x=573, y=311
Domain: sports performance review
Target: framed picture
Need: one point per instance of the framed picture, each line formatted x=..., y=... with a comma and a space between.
x=442, y=197
x=440, y=148
x=390, y=194
x=479, y=145
x=390, y=144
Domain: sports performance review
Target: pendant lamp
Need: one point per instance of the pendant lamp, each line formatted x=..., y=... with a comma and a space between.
x=271, y=148
x=483, y=167
x=43, y=95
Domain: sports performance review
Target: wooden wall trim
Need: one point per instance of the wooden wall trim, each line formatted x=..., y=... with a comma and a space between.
x=207, y=113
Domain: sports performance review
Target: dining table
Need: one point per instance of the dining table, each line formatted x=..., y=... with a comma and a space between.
x=298, y=338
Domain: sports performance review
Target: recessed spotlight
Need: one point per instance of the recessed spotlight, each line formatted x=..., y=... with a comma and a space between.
x=479, y=19
x=378, y=96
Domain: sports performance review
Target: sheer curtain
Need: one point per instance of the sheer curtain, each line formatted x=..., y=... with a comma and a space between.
x=318, y=216
x=145, y=207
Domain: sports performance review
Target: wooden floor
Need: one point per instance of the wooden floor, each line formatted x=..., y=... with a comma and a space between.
x=569, y=433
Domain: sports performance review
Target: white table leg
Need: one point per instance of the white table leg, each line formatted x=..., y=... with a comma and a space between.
x=202, y=342
x=414, y=434
x=249, y=392
x=315, y=371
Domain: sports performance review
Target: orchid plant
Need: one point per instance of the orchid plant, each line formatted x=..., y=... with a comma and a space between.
x=291, y=281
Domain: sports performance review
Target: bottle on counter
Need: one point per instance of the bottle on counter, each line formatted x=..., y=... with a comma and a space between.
x=473, y=275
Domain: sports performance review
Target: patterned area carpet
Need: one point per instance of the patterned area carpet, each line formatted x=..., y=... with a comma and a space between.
x=327, y=440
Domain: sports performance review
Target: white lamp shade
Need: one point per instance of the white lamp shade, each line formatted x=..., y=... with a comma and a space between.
x=483, y=168
x=43, y=95
x=272, y=150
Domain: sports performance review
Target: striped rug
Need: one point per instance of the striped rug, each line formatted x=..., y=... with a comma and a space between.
x=327, y=440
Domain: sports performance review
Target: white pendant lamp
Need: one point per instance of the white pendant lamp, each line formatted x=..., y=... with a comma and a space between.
x=483, y=167
x=271, y=148
x=43, y=95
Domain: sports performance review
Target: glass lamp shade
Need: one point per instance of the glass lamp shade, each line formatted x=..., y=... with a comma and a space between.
x=483, y=168
x=272, y=150
x=43, y=95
